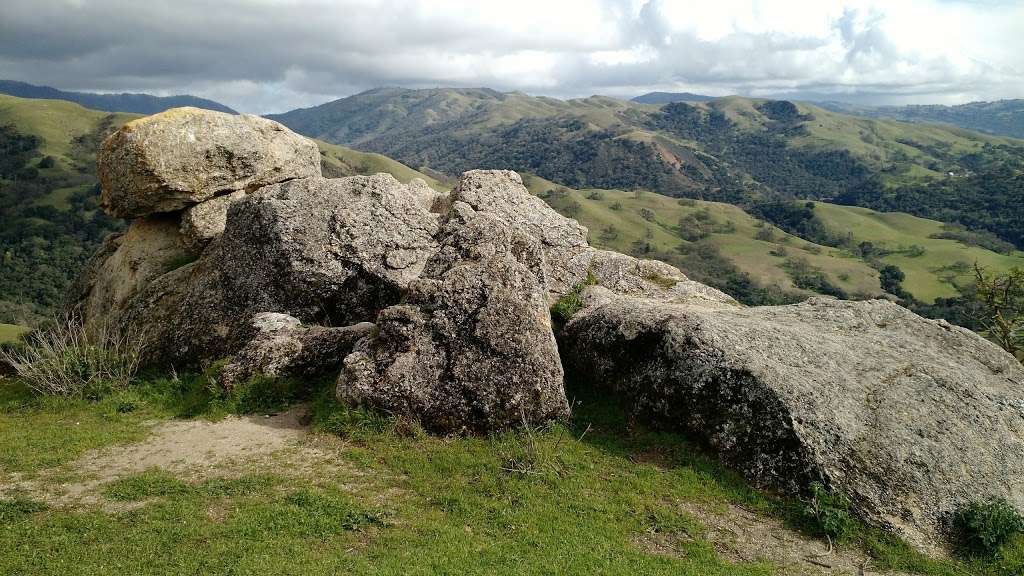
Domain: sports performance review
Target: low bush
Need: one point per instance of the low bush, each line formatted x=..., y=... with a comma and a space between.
x=67, y=360
x=984, y=527
x=828, y=513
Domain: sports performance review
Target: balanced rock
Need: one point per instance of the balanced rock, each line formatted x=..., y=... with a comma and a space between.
x=471, y=347
x=911, y=418
x=184, y=156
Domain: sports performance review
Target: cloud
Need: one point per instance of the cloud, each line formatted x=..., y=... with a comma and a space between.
x=272, y=55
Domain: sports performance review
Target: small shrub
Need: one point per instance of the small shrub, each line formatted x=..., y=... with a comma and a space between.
x=568, y=305
x=595, y=195
x=532, y=450
x=984, y=527
x=828, y=513
x=356, y=422
x=68, y=360
x=616, y=206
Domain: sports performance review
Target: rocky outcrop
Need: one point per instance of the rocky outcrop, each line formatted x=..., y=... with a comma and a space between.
x=900, y=413
x=471, y=347
x=240, y=251
x=184, y=156
x=329, y=252
x=205, y=221
x=283, y=347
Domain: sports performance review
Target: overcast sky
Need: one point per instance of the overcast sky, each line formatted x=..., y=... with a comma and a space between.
x=274, y=55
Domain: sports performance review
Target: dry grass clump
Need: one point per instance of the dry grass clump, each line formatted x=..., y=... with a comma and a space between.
x=65, y=359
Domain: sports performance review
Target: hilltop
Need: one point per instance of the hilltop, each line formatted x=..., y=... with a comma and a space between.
x=1004, y=117
x=125, y=102
x=732, y=149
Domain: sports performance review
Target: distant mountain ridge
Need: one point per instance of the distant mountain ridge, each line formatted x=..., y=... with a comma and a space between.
x=670, y=97
x=126, y=102
x=1004, y=117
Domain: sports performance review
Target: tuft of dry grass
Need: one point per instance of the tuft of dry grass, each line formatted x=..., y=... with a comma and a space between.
x=67, y=360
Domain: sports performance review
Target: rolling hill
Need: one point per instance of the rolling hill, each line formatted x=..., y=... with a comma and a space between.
x=718, y=243
x=1005, y=117
x=732, y=149
x=130, y=103
x=49, y=217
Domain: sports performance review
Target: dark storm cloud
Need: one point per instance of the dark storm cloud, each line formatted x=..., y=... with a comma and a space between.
x=270, y=55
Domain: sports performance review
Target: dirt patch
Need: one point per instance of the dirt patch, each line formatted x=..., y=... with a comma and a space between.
x=739, y=535
x=190, y=449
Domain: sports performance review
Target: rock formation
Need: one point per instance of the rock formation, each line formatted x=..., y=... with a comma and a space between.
x=898, y=412
x=240, y=251
x=471, y=346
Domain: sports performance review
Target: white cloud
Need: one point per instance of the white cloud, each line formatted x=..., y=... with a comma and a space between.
x=271, y=55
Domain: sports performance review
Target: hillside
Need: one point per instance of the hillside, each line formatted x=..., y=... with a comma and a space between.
x=130, y=103
x=722, y=245
x=50, y=223
x=1005, y=117
x=732, y=149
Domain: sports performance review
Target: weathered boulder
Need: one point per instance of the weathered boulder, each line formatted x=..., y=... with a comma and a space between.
x=125, y=265
x=911, y=418
x=206, y=220
x=330, y=252
x=569, y=259
x=471, y=347
x=184, y=156
x=283, y=346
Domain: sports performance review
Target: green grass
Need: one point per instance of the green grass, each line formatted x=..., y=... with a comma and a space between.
x=398, y=503
x=928, y=275
x=11, y=332
x=599, y=209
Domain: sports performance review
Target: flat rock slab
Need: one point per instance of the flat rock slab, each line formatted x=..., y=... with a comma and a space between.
x=912, y=418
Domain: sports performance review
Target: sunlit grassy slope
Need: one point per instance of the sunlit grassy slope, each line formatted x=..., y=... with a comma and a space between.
x=623, y=210
x=933, y=274
x=349, y=161
x=10, y=332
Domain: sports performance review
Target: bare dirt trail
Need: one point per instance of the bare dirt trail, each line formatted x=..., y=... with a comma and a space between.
x=190, y=449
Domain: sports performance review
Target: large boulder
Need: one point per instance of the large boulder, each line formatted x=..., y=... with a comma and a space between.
x=330, y=252
x=184, y=156
x=125, y=265
x=912, y=418
x=471, y=347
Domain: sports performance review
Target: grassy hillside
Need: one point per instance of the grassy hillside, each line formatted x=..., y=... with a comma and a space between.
x=648, y=224
x=1004, y=117
x=11, y=332
x=49, y=217
x=945, y=263
x=731, y=149
x=340, y=161
x=360, y=493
